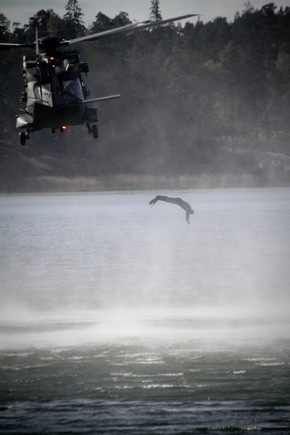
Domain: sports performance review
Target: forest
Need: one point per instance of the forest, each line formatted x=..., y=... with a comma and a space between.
x=202, y=104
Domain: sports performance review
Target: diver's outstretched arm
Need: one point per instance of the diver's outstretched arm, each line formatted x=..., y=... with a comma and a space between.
x=153, y=201
x=162, y=198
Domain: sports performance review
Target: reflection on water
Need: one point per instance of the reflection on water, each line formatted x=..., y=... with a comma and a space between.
x=96, y=327
x=115, y=315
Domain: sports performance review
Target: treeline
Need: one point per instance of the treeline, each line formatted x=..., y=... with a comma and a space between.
x=198, y=98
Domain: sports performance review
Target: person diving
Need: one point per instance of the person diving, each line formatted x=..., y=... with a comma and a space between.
x=177, y=201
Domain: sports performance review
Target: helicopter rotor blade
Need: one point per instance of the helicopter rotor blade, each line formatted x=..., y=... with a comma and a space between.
x=100, y=35
x=36, y=41
x=126, y=29
x=147, y=24
x=93, y=100
x=9, y=45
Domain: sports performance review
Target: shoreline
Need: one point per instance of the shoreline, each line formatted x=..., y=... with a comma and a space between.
x=132, y=182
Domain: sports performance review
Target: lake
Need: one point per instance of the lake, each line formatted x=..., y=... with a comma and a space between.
x=118, y=317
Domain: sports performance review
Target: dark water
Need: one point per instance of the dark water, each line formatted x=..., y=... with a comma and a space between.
x=120, y=318
x=146, y=386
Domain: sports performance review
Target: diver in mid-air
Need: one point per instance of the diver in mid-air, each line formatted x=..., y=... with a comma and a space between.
x=177, y=201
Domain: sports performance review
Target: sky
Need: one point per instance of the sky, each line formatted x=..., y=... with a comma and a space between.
x=138, y=10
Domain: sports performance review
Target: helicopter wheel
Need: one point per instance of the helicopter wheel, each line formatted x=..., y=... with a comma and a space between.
x=95, y=132
x=89, y=128
x=23, y=137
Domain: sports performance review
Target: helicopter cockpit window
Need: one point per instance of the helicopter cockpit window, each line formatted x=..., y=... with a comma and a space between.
x=72, y=57
x=66, y=71
x=43, y=73
x=72, y=91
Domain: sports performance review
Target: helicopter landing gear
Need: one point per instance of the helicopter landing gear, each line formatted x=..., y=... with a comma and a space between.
x=24, y=135
x=93, y=130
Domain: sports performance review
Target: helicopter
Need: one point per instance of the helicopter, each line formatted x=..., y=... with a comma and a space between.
x=55, y=95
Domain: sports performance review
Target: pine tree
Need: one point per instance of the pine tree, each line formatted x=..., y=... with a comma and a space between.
x=4, y=27
x=155, y=13
x=73, y=17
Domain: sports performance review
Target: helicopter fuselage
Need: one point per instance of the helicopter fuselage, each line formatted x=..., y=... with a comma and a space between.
x=54, y=93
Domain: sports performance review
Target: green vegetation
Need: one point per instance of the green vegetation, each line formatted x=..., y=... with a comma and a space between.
x=208, y=103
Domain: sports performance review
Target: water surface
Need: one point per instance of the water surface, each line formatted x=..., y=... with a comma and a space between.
x=119, y=317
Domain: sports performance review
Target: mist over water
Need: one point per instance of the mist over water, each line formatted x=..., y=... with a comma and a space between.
x=114, y=265
x=117, y=316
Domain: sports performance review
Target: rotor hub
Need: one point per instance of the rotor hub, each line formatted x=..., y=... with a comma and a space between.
x=50, y=44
